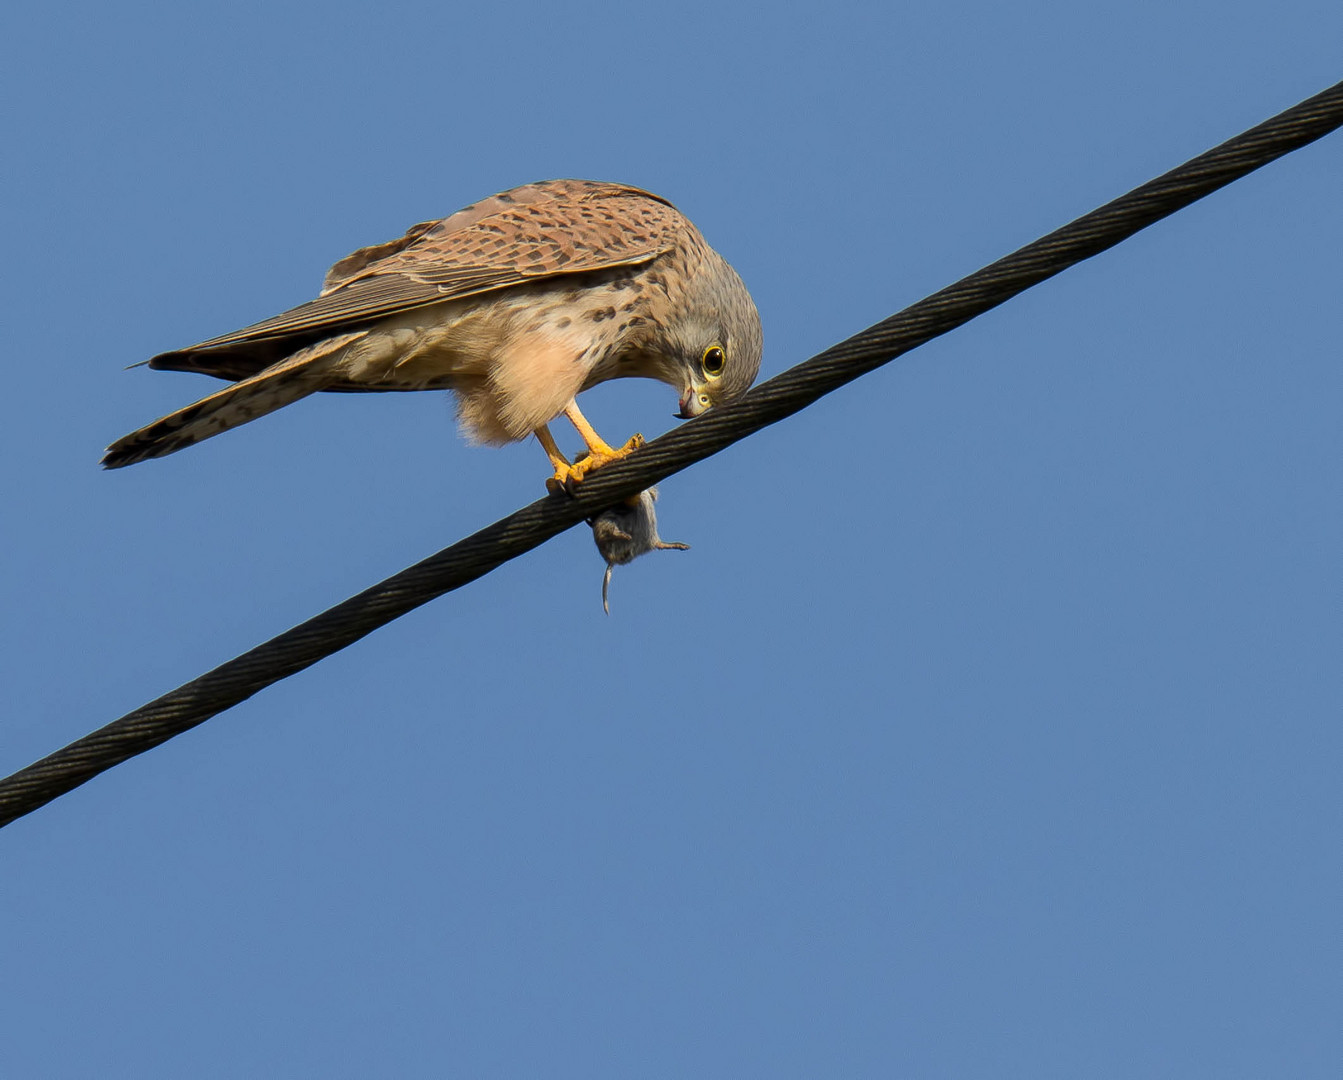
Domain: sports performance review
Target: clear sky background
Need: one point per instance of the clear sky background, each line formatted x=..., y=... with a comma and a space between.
x=991, y=727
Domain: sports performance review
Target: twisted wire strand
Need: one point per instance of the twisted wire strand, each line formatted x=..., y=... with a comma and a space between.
x=232, y=682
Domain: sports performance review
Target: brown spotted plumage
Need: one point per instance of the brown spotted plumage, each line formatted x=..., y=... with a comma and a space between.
x=516, y=303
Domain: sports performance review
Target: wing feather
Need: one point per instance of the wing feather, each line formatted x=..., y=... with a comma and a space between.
x=528, y=234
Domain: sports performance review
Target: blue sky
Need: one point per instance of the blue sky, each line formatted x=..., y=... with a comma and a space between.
x=991, y=727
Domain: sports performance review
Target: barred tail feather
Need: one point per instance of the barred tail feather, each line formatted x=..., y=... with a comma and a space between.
x=297, y=376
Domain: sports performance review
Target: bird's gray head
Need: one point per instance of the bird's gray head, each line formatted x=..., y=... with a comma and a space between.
x=718, y=340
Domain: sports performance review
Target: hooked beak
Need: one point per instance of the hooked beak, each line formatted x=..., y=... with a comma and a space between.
x=693, y=402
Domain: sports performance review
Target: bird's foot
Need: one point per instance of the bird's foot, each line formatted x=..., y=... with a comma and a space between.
x=567, y=477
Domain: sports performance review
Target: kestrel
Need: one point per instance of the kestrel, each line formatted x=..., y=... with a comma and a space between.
x=516, y=304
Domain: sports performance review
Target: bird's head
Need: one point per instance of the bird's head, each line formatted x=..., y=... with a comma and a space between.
x=718, y=340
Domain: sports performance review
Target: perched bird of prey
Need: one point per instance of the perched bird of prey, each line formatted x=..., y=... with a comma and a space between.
x=626, y=531
x=516, y=304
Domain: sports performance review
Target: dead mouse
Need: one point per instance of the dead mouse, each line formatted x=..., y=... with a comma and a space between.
x=625, y=532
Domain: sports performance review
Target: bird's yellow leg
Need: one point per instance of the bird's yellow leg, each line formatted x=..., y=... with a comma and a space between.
x=558, y=461
x=599, y=452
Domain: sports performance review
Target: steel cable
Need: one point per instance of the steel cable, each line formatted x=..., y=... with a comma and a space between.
x=795, y=389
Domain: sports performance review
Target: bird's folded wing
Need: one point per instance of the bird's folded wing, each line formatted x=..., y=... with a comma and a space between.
x=532, y=233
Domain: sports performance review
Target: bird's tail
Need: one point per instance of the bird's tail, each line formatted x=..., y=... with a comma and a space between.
x=303, y=373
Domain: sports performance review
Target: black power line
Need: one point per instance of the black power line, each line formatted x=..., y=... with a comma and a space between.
x=466, y=560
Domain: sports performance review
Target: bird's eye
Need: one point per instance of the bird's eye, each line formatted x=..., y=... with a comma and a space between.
x=713, y=360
